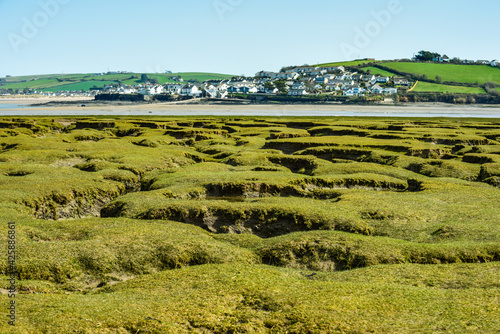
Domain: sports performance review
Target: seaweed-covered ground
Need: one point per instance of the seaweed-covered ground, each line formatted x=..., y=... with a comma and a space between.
x=252, y=225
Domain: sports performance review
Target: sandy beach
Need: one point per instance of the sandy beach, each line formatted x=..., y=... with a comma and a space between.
x=410, y=109
x=16, y=99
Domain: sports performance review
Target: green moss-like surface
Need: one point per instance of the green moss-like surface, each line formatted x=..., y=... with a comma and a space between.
x=215, y=225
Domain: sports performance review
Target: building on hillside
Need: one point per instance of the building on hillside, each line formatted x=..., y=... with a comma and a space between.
x=190, y=90
x=390, y=90
x=383, y=79
x=264, y=74
x=285, y=76
x=321, y=80
x=333, y=68
x=376, y=89
x=368, y=77
x=357, y=77
x=401, y=81
x=173, y=88
x=248, y=89
x=297, y=89
x=354, y=91
x=216, y=92
x=342, y=82
x=151, y=90
x=126, y=90
x=233, y=89
x=332, y=87
x=263, y=90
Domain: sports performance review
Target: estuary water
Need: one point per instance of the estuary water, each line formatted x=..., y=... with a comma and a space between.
x=10, y=109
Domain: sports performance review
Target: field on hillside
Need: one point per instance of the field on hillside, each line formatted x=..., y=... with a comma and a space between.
x=431, y=87
x=451, y=72
x=378, y=71
x=58, y=82
x=347, y=63
x=252, y=224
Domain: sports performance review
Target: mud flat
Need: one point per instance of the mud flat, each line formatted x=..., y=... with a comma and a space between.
x=168, y=224
x=177, y=109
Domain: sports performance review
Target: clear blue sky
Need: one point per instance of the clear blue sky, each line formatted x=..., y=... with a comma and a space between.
x=234, y=36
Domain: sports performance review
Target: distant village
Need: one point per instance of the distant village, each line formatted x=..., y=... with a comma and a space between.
x=295, y=81
x=292, y=81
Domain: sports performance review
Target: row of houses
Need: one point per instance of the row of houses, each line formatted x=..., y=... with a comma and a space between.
x=446, y=59
x=347, y=89
x=297, y=81
x=297, y=72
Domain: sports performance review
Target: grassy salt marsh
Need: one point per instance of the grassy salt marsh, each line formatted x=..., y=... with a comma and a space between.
x=214, y=225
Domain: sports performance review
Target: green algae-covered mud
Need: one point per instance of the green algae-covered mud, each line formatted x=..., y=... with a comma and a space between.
x=251, y=225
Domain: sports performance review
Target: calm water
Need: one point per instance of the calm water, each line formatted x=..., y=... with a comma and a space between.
x=473, y=112
x=10, y=106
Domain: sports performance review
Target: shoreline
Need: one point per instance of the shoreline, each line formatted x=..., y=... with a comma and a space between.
x=71, y=106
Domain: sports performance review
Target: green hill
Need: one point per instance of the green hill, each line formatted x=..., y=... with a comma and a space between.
x=347, y=63
x=378, y=71
x=450, y=72
x=60, y=82
x=454, y=78
x=428, y=87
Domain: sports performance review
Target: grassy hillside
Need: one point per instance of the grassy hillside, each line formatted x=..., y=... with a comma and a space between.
x=432, y=87
x=252, y=224
x=346, y=63
x=86, y=81
x=378, y=71
x=85, y=86
x=451, y=72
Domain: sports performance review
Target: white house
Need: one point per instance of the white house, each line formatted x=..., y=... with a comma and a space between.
x=298, y=89
x=342, y=76
x=219, y=92
x=264, y=74
x=332, y=87
x=190, y=90
x=355, y=90
x=316, y=72
x=341, y=82
x=126, y=90
x=390, y=90
x=401, y=81
x=333, y=68
x=383, y=79
x=368, y=77
x=152, y=90
x=307, y=70
x=248, y=89
x=357, y=77
x=211, y=91
x=285, y=76
x=147, y=91
x=262, y=89
x=173, y=88
x=297, y=92
x=376, y=89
